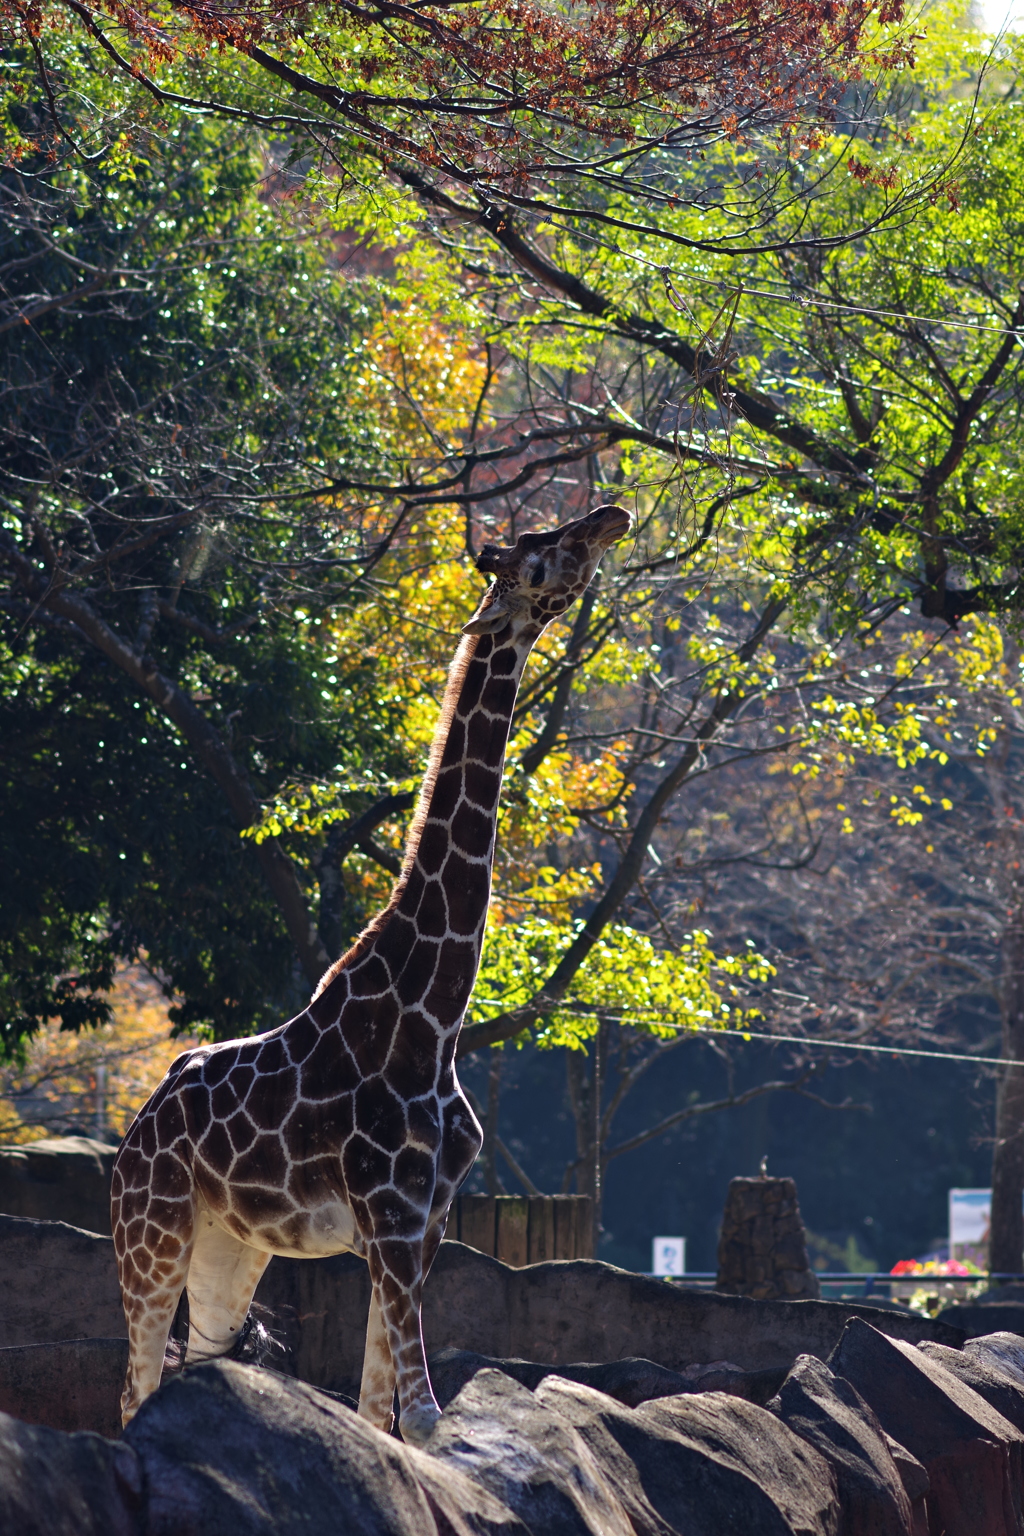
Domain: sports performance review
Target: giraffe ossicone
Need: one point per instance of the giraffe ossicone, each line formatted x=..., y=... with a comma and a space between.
x=345, y=1129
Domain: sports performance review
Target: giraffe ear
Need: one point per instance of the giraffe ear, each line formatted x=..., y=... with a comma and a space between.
x=488, y=618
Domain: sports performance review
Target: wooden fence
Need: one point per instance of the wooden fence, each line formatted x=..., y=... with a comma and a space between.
x=522, y=1230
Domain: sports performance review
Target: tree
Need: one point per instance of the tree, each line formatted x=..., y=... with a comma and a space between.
x=907, y=463
x=762, y=551
x=167, y=569
x=91, y=1083
x=525, y=110
x=903, y=915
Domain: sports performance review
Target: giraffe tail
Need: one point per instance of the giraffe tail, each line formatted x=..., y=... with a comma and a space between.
x=255, y=1343
x=174, y=1356
x=177, y=1342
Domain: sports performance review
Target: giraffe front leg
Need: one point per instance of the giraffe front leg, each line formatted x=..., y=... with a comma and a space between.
x=396, y=1269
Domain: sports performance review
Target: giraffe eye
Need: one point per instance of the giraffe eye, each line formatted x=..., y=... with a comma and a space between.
x=537, y=579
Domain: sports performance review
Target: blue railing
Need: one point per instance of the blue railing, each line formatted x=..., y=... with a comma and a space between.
x=869, y=1280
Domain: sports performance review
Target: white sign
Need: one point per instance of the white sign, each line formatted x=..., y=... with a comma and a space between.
x=669, y=1256
x=970, y=1212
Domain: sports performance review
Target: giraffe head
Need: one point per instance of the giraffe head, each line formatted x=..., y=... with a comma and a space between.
x=539, y=576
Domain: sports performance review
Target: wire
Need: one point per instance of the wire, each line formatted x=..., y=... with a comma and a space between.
x=831, y=1045
x=839, y=1045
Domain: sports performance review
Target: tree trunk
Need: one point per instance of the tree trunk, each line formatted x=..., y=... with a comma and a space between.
x=1006, y=1243
x=490, y=1147
x=596, y=1181
x=585, y=1098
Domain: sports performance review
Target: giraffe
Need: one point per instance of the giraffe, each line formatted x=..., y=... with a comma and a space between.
x=345, y=1129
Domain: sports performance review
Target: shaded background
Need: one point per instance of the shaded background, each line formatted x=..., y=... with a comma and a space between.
x=879, y=1177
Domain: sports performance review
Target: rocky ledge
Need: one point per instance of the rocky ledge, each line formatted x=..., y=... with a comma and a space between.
x=886, y=1438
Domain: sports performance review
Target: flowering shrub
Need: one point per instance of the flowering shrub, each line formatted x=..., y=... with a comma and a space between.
x=944, y=1282
x=934, y=1267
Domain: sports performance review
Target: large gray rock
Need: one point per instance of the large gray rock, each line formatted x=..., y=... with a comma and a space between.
x=558, y=1313
x=1001, y=1391
x=701, y=1465
x=72, y=1385
x=973, y=1456
x=563, y=1313
x=829, y=1414
x=54, y=1484
x=1004, y=1351
x=497, y=1433
x=916, y=1484
x=630, y=1382
x=56, y=1282
x=63, y=1178
x=227, y=1450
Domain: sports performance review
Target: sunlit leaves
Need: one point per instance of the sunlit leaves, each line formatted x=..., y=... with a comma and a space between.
x=644, y=987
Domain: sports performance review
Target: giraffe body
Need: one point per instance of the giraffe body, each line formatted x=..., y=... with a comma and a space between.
x=345, y=1129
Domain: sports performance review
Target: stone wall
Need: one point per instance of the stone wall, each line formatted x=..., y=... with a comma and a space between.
x=63, y=1178
x=560, y=1313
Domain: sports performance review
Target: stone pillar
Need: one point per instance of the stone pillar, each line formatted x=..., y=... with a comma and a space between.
x=762, y=1251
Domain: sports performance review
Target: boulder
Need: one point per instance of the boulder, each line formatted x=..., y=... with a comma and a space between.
x=973, y=1456
x=701, y=1465
x=560, y=1313
x=56, y=1282
x=74, y=1384
x=226, y=1448
x=913, y=1476
x=1001, y=1391
x=747, y=1440
x=762, y=1250
x=723, y=1376
x=497, y=1433
x=829, y=1414
x=451, y=1369
x=55, y=1484
x=628, y=1381
x=915, y=1484
x=1005, y=1351
x=885, y=1303
x=63, y=1178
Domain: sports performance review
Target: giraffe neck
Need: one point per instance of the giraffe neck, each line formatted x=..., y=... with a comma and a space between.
x=439, y=904
x=450, y=847
x=467, y=754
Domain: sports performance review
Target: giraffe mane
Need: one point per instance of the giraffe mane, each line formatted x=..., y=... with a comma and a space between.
x=456, y=677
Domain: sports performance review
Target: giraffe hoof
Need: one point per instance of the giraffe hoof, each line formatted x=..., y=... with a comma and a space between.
x=415, y=1425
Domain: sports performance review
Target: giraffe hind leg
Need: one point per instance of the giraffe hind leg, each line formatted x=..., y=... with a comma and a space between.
x=150, y=1301
x=222, y=1277
x=377, y=1387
